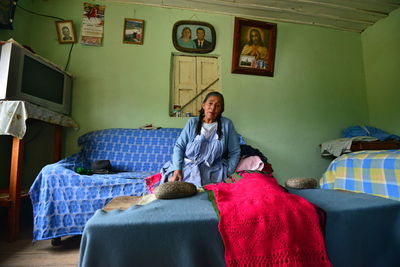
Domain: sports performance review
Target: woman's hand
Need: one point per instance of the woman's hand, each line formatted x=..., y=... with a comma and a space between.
x=177, y=176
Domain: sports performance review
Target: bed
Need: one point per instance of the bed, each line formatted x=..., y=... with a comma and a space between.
x=375, y=172
x=361, y=230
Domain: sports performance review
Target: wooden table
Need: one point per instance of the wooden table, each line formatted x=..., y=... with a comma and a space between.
x=16, y=113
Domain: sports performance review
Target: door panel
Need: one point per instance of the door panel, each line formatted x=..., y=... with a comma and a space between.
x=191, y=75
x=207, y=73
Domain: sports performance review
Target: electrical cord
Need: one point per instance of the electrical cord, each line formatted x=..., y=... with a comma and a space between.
x=69, y=57
x=35, y=13
x=53, y=17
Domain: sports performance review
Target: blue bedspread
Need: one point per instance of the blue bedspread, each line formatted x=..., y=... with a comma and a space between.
x=179, y=232
x=63, y=200
x=361, y=230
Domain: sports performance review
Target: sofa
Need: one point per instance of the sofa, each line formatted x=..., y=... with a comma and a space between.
x=64, y=200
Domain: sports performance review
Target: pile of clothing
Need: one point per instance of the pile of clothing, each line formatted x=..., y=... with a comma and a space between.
x=252, y=159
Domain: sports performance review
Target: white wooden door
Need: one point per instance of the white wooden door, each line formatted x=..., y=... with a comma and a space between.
x=192, y=74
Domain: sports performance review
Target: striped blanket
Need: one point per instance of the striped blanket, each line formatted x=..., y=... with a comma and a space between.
x=373, y=172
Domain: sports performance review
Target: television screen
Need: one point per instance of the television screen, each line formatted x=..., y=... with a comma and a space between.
x=7, y=10
x=33, y=83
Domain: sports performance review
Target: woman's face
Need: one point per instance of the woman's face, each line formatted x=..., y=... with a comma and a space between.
x=212, y=108
x=186, y=33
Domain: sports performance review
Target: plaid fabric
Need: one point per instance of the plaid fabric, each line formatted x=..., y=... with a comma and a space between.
x=372, y=172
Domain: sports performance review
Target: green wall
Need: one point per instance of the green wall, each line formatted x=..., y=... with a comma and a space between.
x=381, y=54
x=318, y=88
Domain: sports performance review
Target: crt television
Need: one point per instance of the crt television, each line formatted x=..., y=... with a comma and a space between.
x=26, y=76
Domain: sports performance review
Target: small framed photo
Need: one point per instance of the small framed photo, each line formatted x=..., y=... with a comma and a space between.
x=193, y=36
x=253, y=47
x=133, y=31
x=66, y=32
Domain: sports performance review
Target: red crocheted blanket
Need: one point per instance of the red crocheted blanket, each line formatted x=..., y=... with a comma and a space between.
x=263, y=225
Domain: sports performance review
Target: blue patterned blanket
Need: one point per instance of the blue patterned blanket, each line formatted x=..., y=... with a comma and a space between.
x=63, y=200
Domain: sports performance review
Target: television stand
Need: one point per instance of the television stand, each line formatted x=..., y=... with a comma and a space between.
x=13, y=118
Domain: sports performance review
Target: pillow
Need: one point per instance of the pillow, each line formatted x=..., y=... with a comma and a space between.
x=175, y=189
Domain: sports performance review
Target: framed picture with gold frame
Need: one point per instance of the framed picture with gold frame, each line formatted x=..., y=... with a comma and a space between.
x=133, y=31
x=65, y=32
x=253, y=47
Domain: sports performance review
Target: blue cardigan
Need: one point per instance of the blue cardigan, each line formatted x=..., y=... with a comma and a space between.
x=230, y=141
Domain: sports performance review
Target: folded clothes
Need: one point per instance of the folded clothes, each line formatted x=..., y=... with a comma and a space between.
x=250, y=163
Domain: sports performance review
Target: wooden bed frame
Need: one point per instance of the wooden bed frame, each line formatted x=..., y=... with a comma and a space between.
x=374, y=145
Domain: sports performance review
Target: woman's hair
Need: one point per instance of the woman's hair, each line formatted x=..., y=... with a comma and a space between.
x=186, y=28
x=201, y=116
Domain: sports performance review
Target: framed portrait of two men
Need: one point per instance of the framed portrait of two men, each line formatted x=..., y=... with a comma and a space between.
x=253, y=47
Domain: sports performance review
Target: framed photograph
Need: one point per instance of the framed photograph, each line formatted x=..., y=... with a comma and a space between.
x=66, y=32
x=133, y=31
x=193, y=36
x=253, y=47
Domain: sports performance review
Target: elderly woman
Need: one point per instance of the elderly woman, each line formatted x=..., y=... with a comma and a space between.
x=208, y=150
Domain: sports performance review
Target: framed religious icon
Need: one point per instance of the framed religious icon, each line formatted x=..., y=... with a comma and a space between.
x=65, y=32
x=133, y=31
x=193, y=36
x=253, y=47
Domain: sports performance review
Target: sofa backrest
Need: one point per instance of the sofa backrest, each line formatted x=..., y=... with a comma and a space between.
x=130, y=149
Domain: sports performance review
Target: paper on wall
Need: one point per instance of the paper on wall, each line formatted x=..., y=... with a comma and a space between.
x=92, y=24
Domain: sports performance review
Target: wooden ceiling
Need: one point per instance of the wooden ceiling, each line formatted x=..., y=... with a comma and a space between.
x=345, y=15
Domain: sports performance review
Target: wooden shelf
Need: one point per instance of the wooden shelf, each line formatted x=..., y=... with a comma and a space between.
x=6, y=200
x=11, y=197
x=22, y=111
